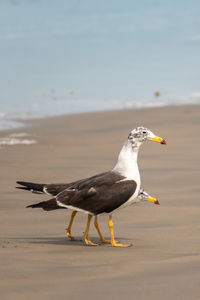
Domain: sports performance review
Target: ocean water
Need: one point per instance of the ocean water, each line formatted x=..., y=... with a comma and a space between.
x=62, y=57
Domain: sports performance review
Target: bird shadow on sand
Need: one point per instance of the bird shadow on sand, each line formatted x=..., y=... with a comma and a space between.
x=60, y=241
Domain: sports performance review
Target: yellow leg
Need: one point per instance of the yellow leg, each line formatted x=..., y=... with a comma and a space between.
x=68, y=229
x=86, y=236
x=102, y=239
x=113, y=242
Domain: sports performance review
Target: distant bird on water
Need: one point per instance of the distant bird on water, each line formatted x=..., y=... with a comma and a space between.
x=102, y=193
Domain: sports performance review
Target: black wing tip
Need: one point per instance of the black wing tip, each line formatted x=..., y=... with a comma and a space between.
x=38, y=205
x=28, y=206
x=22, y=188
x=21, y=182
x=37, y=188
x=24, y=185
x=34, y=206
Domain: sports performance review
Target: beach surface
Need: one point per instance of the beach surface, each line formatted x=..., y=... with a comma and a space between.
x=39, y=262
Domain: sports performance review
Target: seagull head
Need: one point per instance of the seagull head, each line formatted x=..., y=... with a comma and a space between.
x=141, y=134
x=144, y=196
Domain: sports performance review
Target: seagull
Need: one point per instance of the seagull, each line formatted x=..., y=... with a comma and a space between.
x=102, y=193
x=142, y=196
x=52, y=205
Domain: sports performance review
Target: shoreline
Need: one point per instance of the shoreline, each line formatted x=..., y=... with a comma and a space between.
x=26, y=122
x=24, y=134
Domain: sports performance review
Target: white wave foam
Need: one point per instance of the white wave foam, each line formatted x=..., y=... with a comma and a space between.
x=14, y=141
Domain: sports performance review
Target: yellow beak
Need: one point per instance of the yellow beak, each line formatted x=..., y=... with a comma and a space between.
x=159, y=140
x=153, y=200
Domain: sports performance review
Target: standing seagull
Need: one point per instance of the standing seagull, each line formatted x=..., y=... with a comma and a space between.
x=51, y=204
x=105, y=192
x=142, y=196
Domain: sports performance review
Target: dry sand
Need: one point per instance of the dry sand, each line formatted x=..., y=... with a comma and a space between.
x=37, y=260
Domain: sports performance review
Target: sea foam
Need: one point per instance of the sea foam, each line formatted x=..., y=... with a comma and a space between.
x=16, y=139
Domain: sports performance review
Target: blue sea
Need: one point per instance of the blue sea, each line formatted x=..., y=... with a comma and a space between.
x=72, y=56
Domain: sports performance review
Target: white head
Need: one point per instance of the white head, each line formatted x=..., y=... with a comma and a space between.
x=144, y=196
x=140, y=134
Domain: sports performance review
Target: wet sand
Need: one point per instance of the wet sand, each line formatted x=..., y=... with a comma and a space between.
x=37, y=260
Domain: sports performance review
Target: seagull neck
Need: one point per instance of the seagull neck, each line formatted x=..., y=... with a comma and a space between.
x=127, y=160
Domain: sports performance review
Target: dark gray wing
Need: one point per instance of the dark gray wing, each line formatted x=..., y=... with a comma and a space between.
x=47, y=205
x=102, y=179
x=102, y=196
x=40, y=188
x=53, y=188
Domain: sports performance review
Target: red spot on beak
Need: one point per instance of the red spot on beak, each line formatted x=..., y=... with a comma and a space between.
x=157, y=202
x=164, y=142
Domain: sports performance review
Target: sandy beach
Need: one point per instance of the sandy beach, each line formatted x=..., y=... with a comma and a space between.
x=39, y=262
